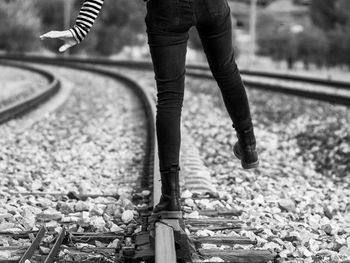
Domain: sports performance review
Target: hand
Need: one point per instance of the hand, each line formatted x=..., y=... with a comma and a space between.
x=66, y=36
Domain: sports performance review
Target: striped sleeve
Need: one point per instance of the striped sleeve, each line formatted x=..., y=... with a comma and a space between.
x=86, y=18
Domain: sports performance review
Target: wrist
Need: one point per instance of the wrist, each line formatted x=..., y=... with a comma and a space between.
x=74, y=34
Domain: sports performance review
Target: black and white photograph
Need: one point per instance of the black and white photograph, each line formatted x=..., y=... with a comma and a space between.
x=175, y=131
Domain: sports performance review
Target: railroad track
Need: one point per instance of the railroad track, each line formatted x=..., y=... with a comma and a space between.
x=337, y=92
x=166, y=240
x=150, y=172
x=26, y=103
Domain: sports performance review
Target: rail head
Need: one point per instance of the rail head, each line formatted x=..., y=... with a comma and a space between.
x=164, y=244
x=165, y=250
x=22, y=106
x=144, y=64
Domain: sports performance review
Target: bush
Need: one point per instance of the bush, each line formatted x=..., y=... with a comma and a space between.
x=313, y=47
x=20, y=26
x=275, y=40
x=339, y=46
x=324, y=41
x=118, y=25
x=333, y=18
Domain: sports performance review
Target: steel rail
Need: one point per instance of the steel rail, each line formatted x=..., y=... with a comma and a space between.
x=56, y=247
x=145, y=64
x=20, y=107
x=164, y=237
x=165, y=244
x=164, y=234
x=202, y=71
x=282, y=76
x=306, y=93
x=35, y=244
x=151, y=169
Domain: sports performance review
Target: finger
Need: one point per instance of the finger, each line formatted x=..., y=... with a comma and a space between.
x=69, y=37
x=50, y=34
x=53, y=34
x=64, y=47
x=46, y=35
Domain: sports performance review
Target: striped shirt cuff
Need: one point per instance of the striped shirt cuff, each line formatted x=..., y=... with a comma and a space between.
x=74, y=35
x=86, y=18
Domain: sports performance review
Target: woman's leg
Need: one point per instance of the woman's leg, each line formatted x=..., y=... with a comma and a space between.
x=167, y=40
x=168, y=45
x=168, y=54
x=215, y=31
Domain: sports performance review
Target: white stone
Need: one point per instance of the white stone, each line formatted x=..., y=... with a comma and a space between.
x=127, y=216
x=146, y=193
x=190, y=202
x=115, y=228
x=186, y=194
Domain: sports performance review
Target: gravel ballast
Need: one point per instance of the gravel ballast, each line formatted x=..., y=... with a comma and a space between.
x=300, y=204
x=17, y=84
x=302, y=210
x=297, y=202
x=93, y=144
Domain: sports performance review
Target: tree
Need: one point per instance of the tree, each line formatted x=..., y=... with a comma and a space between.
x=333, y=17
x=276, y=39
x=330, y=14
x=20, y=26
x=324, y=41
x=339, y=46
x=323, y=13
x=119, y=24
x=313, y=46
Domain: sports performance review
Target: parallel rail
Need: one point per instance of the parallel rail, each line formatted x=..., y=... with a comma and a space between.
x=19, y=107
x=165, y=249
x=341, y=94
x=309, y=80
x=151, y=174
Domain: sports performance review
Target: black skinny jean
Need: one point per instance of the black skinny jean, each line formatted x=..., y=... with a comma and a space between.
x=168, y=23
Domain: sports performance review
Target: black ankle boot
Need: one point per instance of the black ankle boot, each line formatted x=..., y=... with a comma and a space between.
x=169, y=205
x=244, y=149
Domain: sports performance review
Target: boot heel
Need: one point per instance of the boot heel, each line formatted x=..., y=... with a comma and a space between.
x=170, y=214
x=166, y=215
x=245, y=151
x=236, y=153
x=250, y=165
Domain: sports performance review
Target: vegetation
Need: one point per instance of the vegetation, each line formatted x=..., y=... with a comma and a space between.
x=20, y=26
x=22, y=22
x=324, y=40
x=120, y=23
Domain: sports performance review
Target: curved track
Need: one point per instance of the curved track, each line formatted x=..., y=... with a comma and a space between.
x=337, y=92
x=166, y=242
x=22, y=106
x=151, y=175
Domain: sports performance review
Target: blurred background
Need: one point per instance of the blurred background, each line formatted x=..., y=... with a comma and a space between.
x=294, y=35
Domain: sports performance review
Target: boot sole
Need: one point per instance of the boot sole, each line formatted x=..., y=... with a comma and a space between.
x=168, y=214
x=246, y=165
